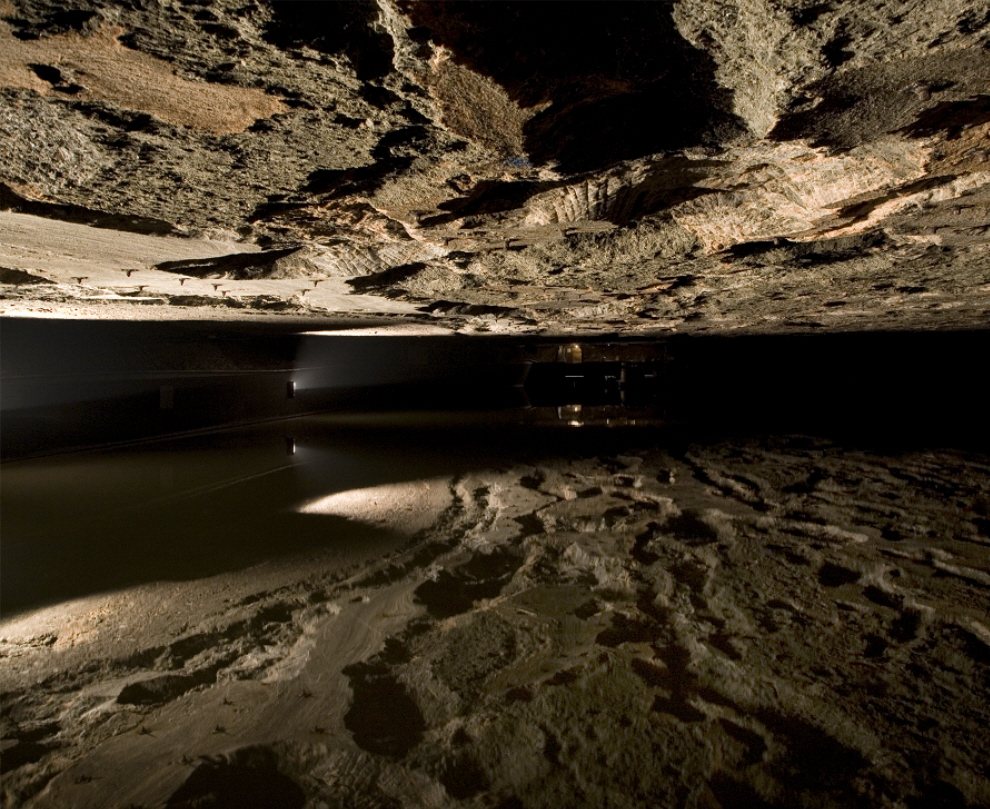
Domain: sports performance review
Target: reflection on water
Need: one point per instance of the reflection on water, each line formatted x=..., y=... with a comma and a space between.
x=69, y=385
x=199, y=505
x=179, y=509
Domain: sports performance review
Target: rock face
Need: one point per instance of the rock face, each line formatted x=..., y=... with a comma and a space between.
x=691, y=164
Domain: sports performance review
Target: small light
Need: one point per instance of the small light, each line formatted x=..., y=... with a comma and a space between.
x=571, y=354
x=290, y=445
x=290, y=389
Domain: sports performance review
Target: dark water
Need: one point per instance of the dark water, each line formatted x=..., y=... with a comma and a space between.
x=180, y=508
x=69, y=384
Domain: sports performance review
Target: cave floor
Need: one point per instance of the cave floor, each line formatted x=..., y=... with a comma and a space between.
x=461, y=617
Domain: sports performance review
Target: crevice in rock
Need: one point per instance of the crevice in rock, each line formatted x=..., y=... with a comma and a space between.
x=334, y=28
x=604, y=81
x=10, y=200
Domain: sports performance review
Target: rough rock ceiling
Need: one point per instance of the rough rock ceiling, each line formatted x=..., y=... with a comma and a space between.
x=693, y=164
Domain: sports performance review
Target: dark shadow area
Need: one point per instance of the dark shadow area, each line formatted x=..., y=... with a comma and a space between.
x=898, y=387
x=249, y=777
x=490, y=196
x=71, y=383
x=10, y=200
x=236, y=265
x=820, y=251
x=605, y=68
x=385, y=278
x=394, y=153
x=8, y=276
x=951, y=117
x=75, y=383
x=36, y=20
x=856, y=104
x=334, y=28
x=667, y=183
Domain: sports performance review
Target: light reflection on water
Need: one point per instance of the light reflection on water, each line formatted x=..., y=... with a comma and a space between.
x=196, y=506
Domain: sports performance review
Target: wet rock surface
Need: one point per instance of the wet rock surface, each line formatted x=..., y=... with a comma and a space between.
x=765, y=622
x=503, y=166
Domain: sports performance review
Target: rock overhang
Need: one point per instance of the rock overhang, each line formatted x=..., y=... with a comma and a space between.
x=634, y=166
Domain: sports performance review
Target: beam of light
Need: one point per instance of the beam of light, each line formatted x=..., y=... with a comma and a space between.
x=403, y=508
x=325, y=360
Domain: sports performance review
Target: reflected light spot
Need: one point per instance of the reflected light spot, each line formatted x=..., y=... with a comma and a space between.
x=403, y=508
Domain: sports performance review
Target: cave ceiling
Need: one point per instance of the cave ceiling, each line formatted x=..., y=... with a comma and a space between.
x=588, y=166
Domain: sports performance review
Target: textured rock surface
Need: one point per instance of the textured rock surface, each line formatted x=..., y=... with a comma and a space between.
x=613, y=166
x=777, y=623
